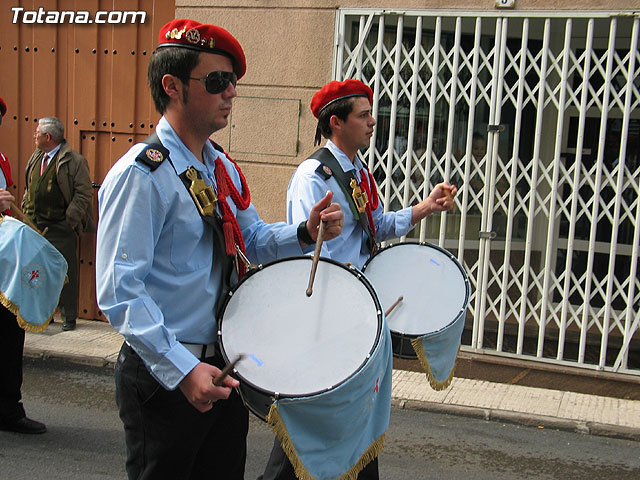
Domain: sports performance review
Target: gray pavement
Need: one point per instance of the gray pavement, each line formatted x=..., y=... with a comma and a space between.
x=97, y=344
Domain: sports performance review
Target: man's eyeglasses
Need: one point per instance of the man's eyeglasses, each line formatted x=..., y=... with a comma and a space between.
x=217, y=82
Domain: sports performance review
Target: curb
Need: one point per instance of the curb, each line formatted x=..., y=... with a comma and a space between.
x=76, y=359
x=529, y=420
x=487, y=414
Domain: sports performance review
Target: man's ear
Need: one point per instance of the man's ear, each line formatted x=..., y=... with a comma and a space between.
x=172, y=86
x=335, y=122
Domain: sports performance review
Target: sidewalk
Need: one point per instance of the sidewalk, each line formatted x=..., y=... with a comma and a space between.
x=97, y=344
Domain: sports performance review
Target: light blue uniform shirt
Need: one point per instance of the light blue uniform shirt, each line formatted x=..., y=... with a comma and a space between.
x=307, y=187
x=154, y=255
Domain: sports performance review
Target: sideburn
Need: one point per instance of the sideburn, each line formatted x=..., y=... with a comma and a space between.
x=185, y=94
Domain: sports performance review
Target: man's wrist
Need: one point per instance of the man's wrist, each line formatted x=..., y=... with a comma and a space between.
x=303, y=234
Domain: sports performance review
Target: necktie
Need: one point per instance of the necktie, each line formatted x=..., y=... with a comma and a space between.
x=45, y=161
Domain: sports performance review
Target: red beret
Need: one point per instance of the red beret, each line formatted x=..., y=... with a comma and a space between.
x=3, y=107
x=334, y=91
x=204, y=38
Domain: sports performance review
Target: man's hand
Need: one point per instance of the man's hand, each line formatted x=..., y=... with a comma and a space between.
x=328, y=212
x=440, y=199
x=5, y=200
x=198, y=387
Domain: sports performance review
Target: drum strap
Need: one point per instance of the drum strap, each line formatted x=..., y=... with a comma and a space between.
x=209, y=216
x=326, y=158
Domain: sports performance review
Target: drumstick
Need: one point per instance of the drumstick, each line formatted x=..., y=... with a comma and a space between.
x=395, y=304
x=16, y=211
x=226, y=371
x=316, y=257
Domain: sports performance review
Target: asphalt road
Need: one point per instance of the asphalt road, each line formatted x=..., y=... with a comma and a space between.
x=85, y=440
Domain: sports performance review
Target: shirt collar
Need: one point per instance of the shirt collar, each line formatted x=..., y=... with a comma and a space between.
x=181, y=157
x=342, y=158
x=53, y=152
x=344, y=161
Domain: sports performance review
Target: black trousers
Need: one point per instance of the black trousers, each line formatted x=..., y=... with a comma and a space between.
x=11, y=348
x=167, y=437
x=62, y=236
x=279, y=467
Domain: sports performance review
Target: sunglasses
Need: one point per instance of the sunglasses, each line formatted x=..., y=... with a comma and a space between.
x=217, y=82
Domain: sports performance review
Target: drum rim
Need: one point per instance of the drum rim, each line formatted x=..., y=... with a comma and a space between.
x=451, y=256
x=351, y=269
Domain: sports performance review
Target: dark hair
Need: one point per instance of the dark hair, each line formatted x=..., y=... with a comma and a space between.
x=179, y=62
x=477, y=136
x=341, y=109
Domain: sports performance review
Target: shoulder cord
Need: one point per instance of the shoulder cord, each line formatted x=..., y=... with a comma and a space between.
x=226, y=187
x=372, y=194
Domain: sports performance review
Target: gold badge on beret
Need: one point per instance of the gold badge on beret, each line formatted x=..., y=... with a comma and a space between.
x=187, y=33
x=193, y=36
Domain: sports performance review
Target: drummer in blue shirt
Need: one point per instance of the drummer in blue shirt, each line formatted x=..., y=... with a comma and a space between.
x=163, y=260
x=343, y=110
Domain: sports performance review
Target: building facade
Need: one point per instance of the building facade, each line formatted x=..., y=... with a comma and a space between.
x=531, y=107
x=532, y=111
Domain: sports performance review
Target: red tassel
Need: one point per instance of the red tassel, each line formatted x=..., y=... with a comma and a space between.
x=230, y=227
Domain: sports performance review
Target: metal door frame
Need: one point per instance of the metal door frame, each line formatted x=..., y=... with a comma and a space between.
x=554, y=64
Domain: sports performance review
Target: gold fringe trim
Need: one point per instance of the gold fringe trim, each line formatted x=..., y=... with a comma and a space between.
x=422, y=356
x=13, y=308
x=280, y=429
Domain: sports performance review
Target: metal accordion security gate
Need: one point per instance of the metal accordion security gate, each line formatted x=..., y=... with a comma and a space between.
x=535, y=116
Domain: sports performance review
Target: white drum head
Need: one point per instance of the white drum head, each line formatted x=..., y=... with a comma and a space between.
x=434, y=287
x=298, y=345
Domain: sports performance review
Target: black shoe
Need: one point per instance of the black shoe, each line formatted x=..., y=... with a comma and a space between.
x=68, y=325
x=24, y=425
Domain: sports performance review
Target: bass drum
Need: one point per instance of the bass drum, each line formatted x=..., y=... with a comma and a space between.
x=434, y=287
x=298, y=346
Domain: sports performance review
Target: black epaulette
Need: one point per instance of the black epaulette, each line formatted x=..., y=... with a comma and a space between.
x=324, y=171
x=153, y=155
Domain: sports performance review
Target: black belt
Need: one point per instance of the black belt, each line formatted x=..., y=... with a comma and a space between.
x=201, y=351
